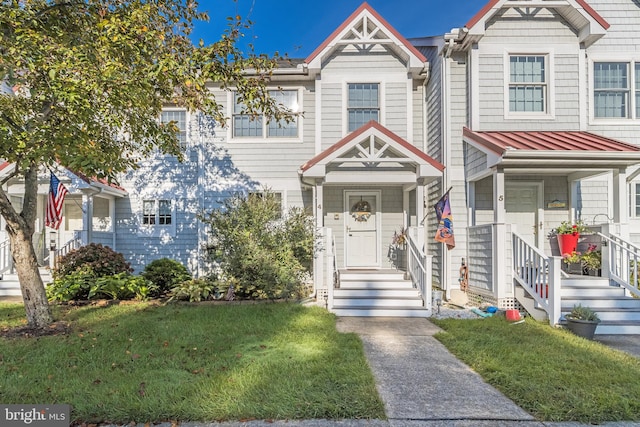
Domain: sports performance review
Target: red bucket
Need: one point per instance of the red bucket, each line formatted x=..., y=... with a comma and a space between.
x=512, y=315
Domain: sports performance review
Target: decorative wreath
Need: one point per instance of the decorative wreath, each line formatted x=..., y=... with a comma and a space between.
x=361, y=211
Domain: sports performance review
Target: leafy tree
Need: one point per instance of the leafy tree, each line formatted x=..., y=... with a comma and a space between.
x=83, y=85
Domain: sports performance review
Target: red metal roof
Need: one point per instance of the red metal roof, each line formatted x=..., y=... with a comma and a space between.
x=500, y=141
x=357, y=133
x=595, y=15
x=365, y=6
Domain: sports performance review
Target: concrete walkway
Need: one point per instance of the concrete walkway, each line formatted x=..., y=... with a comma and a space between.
x=422, y=383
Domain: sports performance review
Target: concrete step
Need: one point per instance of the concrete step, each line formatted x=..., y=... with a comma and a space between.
x=618, y=328
x=396, y=302
x=389, y=292
x=596, y=302
x=591, y=291
x=381, y=312
x=392, y=275
x=616, y=314
x=10, y=285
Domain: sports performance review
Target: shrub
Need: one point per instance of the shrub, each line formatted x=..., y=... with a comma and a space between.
x=83, y=284
x=261, y=254
x=74, y=285
x=165, y=273
x=193, y=290
x=102, y=260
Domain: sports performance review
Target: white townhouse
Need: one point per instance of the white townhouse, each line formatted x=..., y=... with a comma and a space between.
x=539, y=113
x=529, y=114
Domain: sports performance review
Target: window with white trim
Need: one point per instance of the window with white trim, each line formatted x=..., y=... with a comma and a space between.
x=363, y=104
x=611, y=90
x=247, y=126
x=177, y=118
x=528, y=87
x=157, y=212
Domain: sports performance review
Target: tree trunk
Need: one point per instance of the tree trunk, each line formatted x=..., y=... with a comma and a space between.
x=31, y=285
x=20, y=228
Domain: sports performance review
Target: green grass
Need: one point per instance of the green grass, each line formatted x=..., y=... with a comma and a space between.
x=148, y=363
x=549, y=372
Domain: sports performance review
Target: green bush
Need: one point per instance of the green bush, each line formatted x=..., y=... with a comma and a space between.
x=193, y=290
x=84, y=284
x=165, y=273
x=102, y=260
x=71, y=286
x=262, y=254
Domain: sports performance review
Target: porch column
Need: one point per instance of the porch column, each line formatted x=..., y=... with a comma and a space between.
x=471, y=215
x=318, y=204
x=500, y=235
x=573, y=200
x=620, y=200
x=419, y=202
x=87, y=217
x=319, y=264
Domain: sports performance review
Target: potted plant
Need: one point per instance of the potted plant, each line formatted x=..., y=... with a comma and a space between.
x=591, y=261
x=582, y=321
x=567, y=234
x=573, y=262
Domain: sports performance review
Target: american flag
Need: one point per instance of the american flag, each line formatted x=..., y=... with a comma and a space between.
x=57, y=191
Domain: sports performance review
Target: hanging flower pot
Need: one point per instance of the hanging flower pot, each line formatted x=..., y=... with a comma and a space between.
x=568, y=243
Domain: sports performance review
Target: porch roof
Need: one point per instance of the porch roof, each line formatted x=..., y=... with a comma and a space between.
x=551, y=149
x=370, y=149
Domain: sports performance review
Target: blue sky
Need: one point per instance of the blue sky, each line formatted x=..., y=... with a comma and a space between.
x=297, y=27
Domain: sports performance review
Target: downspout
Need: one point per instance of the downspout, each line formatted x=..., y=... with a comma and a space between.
x=451, y=39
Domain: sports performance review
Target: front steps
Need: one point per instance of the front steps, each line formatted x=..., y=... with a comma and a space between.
x=379, y=293
x=619, y=314
x=10, y=286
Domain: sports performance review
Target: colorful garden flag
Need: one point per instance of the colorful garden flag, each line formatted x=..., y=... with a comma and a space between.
x=444, y=234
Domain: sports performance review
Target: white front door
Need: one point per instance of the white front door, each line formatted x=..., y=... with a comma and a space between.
x=362, y=229
x=523, y=205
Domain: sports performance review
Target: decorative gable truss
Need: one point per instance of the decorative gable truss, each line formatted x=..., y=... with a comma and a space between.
x=589, y=25
x=365, y=30
x=376, y=151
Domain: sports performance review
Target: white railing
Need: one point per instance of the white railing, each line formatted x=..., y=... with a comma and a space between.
x=419, y=267
x=539, y=276
x=6, y=261
x=333, y=275
x=72, y=244
x=620, y=263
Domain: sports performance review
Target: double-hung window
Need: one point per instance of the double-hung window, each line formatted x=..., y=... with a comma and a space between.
x=157, y=212
x=528, y=84
x=611, y=91
x=260, y=126
x=363, y=104
x=177, y=118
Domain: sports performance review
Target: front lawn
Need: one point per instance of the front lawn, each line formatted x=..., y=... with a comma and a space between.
x=549, y=372
x=148, y=363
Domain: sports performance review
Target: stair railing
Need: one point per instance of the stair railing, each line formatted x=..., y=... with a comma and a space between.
x=419, y=267
x=539, y=275
x=622, y=262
